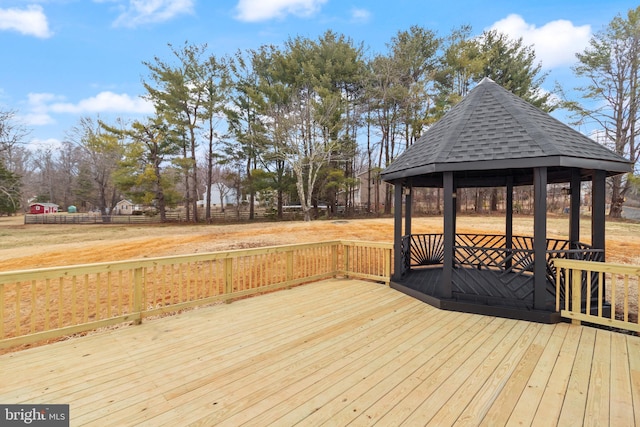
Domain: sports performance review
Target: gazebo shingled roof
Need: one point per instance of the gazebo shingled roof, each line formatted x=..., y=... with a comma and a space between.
x=493, y=138
x=491, y=130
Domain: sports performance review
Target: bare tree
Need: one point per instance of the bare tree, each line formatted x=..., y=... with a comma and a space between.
x=12, y=133
x=102, y=151
x=306, y=148
x=45, y=170
x=611, y=66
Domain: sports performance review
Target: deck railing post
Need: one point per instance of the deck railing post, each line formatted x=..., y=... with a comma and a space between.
x=228, y=277
x=576, y=293
x=346, y=254
x=290, y=266
x=388, y=256
x=138, y=294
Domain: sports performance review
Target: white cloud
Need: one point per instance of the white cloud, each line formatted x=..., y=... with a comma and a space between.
x=37, y=119
x=360, y=15
x=39, y=100
x=49, y=143
x=41, y=106
x=139, y=12
x=264, y=10
x=105, y=102
x=38, y=110
x=555, y=43
x=30, y=21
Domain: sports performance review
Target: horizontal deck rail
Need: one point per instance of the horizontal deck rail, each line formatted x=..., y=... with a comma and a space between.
x=601, y=280
x=48, y=303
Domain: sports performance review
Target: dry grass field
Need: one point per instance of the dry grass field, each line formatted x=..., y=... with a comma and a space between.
x=35, y=246
x=24, y=247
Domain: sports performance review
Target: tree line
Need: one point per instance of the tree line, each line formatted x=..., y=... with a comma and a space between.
x=296, y=123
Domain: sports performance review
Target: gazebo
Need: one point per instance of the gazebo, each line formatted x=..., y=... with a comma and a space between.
x=493, y=138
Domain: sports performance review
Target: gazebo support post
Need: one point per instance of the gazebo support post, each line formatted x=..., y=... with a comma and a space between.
x=397, y=232
x=598, y=222
x=408, y=196
x=449, y=228
x=574, y=209
x=598, y=191
x=540, y=237
x=509, y=222
x=407, y=211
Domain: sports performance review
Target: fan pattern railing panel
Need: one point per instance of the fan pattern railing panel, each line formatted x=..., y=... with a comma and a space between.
x=489, y=270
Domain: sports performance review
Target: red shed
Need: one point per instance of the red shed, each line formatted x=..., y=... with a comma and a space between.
x=43, y=208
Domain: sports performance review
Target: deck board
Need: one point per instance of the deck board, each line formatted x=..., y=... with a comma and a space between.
x=333, y=353
x=597, y=411
x=633, y=347
x=528, y=404
x=621, y=411
x=575, y=398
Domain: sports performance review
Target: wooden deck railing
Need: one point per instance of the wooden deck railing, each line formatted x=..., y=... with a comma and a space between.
x=607, y=283
x=48, y=303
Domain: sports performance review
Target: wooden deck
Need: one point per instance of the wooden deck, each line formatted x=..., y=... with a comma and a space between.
x=334, y=352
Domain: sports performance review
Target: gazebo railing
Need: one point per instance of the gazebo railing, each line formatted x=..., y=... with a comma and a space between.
x=507, y=270
x=488, y=250
x=422, y=250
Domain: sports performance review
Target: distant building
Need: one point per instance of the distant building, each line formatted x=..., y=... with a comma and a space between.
x=125, y=207
x=220, y=196
x=369, y=191
x=43, y=208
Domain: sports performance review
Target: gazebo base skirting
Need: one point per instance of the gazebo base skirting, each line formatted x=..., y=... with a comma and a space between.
x=422, y=285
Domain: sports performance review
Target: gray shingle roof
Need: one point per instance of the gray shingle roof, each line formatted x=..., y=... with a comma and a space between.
x=493, y=129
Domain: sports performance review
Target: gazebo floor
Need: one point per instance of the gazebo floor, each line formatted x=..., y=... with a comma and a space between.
x=334, y=352
x=479, y=292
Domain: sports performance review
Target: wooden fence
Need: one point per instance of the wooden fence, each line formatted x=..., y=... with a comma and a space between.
x=614, y=291
x=92, y=218
x=48, y=303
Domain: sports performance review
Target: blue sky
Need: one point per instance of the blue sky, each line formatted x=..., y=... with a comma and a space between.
x=66, y=59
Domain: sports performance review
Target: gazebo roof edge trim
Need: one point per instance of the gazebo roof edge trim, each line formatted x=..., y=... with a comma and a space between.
x=612, y=168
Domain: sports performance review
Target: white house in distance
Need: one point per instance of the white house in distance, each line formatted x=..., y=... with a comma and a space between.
x=221, y=196
x=125, y=207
